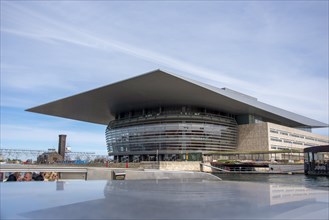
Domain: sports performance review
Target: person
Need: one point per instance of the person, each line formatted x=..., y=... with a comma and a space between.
x=39, y=177
x=50, y=176
x=14, y=177
x=53, y=176
x=46, y=176
x=27, y=176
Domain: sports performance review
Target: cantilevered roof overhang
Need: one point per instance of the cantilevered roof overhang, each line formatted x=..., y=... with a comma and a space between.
x=159, y=88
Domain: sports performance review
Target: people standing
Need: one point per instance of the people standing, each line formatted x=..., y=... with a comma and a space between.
x=14, y=177
x=27, y=176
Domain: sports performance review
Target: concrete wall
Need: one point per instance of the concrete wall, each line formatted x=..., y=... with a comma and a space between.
x=124, y=165
x=99, y=174
x=207, y=168
x=72, y=176
x=180, y=165
x=287, y=168
x=157, y=175
x=141, y=165
x=162, y=165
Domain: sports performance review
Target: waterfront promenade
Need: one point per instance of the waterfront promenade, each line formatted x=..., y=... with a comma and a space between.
x=104, y=173
x=115, y=170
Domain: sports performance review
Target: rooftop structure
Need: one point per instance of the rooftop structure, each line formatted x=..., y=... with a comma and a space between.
x=159, y=88
x=163, y=115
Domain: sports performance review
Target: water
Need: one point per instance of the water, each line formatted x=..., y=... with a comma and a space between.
x=241, y=196
x=296, y=179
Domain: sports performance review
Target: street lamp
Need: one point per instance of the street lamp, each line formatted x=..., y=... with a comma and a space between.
x=290, y=154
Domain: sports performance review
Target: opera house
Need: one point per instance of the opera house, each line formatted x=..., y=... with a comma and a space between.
x=160, y=115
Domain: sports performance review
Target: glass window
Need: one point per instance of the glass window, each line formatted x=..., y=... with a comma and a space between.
x=310, y=156
x=306, y=157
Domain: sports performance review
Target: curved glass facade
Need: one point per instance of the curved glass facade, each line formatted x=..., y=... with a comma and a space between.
x=171, y=130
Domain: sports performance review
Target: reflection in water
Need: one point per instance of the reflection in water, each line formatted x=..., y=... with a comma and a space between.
x=285, y=188
x=192, y=199
x=220, y=199
x=289, y=193
x=60, y=185
x=306, y=181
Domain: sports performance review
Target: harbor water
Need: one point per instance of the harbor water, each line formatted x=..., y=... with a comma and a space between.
x=296, y=179
x=237, y=196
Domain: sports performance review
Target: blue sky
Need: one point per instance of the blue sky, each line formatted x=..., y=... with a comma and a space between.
x=276, y=51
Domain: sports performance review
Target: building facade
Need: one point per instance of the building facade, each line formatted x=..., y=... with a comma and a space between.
x=49, y=158
x=267, y=136
x=163, y=116
x=170, y=132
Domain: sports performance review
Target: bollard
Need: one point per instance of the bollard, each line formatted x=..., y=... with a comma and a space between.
x=126, y=164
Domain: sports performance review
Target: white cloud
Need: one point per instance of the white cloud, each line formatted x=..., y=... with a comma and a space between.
x=60, y=31
x=254, y=48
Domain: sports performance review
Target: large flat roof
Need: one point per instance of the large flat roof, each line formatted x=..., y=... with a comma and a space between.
x=160, y=88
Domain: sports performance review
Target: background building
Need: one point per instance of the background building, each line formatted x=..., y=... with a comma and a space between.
x=49, y=157
x=163, y=116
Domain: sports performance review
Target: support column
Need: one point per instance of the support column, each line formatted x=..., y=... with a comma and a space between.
x=62, y=145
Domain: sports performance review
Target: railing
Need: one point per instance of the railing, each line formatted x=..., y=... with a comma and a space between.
x=33, y=168
x=215, y=168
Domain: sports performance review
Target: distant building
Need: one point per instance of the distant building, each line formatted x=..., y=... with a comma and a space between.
x=49, y=157
x=159, y=115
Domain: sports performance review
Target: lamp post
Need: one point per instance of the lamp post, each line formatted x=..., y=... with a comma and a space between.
x=290, y=154
x=157, y=156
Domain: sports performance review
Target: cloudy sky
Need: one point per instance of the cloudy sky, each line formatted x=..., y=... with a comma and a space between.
x=276, y=51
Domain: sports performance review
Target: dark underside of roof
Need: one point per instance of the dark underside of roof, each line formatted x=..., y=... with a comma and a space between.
x=159, y=88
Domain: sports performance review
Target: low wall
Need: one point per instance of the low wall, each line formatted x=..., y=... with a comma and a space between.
x=287, y=168
x=162, y=165
x=70, y=172
x=158, y=175
x=99, y=174
x=73, y=176
x=206, y=167
x=180, y=165
x=140, y=165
